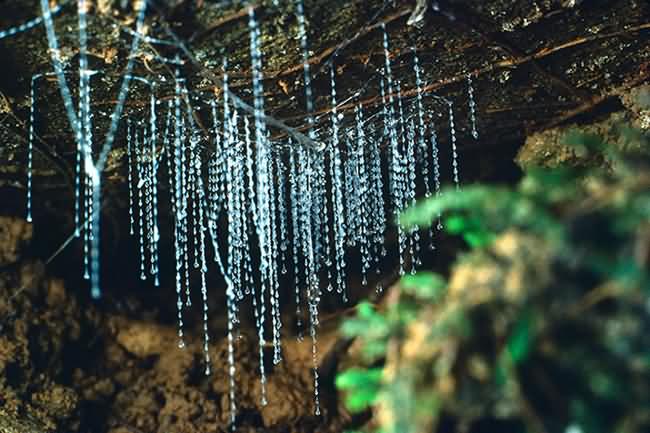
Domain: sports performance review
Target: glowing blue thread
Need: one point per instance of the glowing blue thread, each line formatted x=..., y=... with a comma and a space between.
x=28, y=24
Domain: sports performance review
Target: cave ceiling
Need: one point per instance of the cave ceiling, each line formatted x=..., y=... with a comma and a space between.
x=534, y=63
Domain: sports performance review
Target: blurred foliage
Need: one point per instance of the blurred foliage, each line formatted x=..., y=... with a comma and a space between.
x=542, y=324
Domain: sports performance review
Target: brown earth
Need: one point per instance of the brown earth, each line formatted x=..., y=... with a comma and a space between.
x=69, y=366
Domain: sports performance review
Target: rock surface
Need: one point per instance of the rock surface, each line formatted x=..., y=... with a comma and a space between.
x=549, y=148
x=67, y=366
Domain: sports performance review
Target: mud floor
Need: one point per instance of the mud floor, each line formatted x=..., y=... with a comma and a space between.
x=70, y=365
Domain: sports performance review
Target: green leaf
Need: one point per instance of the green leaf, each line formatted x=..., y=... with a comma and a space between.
x=501, y=371
x=584, y=143
x=472, y=229
x=478, y=238
x=362, y=386
x=456, y=224
x=366, y=310
x=368, y=323
x=373, y=349
x=469, y=198
x=354, y=327
x=361, y=399
x=519, y=342
x=424, y=285
x=357, y=378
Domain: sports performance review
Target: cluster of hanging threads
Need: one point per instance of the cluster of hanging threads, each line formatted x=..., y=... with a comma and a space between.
x=281, y=202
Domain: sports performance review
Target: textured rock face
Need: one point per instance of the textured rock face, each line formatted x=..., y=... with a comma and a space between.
x=549, y=148
x=637, y=102
x=67, y=366
x=512, y=15
x=39, y=322
x=534, y=60
x=14, y=235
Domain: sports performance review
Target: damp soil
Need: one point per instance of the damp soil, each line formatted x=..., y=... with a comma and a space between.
x=70, y=365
